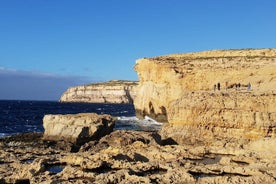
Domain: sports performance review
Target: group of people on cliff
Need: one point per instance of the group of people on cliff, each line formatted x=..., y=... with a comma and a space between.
x=235, y=85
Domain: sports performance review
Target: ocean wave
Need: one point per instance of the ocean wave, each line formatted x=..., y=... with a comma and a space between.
x=133, y=123
x=4, y=135
x=148, y=119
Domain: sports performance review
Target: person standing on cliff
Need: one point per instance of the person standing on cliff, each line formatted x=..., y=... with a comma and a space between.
x=218, y=86
x=215, y=87
x=249, y=87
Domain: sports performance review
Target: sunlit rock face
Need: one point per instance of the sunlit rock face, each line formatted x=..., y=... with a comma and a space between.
x=135, y=157
x=182, y=89
x=115, y=91
x=77, y=128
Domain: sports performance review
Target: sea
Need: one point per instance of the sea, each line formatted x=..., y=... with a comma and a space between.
x=17, y=116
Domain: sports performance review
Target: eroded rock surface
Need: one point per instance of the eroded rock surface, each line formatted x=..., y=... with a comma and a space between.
x=139, y=158
x=180, y=89
x=225, y=136
x=77, y=128
x=115, y=91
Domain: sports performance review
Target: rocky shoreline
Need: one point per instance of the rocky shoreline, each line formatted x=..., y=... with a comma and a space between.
x=208, y=136
x=135, y=157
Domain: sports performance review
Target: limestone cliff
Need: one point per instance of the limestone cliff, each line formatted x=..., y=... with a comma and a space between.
x=115, y=91
x=182, y=89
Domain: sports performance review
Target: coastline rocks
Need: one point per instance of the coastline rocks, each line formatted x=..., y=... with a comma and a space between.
x=211, y=136
x=179, y=89
x=139, y=159
x=115, y=91
x=77, y=128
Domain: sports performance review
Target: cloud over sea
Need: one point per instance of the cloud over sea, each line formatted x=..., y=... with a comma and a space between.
x=35, y=85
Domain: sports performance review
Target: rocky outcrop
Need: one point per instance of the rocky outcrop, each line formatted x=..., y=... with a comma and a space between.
x=180, y=89
x=115, y=91
x=222, y=136
x=77, y=128
x=134, y=157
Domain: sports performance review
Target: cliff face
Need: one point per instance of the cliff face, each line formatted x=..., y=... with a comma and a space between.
x=115, y=91
x=179, y=89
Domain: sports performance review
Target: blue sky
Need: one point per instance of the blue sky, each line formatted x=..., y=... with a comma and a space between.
x=71, y=42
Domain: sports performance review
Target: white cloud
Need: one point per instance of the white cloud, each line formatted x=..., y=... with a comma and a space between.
x=15, y=72
x=6, y=70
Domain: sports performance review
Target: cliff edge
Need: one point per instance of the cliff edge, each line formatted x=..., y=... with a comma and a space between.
x=115, y=91
x=212, y=93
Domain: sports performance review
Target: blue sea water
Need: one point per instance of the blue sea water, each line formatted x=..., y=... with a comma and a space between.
x=26, y=116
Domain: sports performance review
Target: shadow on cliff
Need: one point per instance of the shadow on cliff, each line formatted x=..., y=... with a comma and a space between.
x=129, y=97
x=158, y=139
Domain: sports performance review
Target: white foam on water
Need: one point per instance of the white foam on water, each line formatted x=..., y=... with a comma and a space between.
x=124, y=118
x=147, y=124
x=3, y=135
x=148, y=119
x=30, y=126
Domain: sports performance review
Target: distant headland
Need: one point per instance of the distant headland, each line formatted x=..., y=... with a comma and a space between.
x=114, y=91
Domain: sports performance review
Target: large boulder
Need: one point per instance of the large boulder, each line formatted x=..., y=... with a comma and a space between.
x=77, y=128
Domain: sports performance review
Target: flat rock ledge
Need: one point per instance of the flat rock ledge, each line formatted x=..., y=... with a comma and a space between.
x=135, y=157
x=77, y=128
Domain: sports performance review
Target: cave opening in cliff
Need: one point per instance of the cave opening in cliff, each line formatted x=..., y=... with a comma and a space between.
x=151, y=108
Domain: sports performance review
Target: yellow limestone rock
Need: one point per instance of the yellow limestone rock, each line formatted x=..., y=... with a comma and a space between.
x=77, y=128
x=182, y=89
x=26, y=158
x=115, y=91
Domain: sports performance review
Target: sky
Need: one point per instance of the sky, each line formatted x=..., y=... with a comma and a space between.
x=47, y=46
